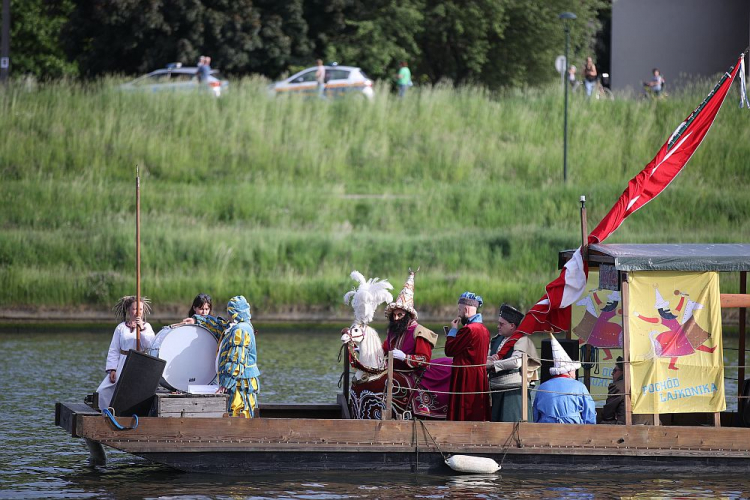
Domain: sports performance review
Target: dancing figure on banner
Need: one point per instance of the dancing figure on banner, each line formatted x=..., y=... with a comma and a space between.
x=682, y=337
x=597, y=327
x=420, y=384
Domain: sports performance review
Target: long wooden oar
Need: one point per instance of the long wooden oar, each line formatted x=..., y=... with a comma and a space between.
x=138, y=256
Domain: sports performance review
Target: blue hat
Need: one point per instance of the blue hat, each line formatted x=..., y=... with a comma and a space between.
x=238, y=308
x=471, y=299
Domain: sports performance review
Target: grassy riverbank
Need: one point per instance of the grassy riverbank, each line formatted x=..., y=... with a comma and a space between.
x=281, y=199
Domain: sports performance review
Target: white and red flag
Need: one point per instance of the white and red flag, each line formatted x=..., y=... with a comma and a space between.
x=552, y=312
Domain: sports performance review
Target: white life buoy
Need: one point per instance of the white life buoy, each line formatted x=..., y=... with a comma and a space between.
x=473, y=465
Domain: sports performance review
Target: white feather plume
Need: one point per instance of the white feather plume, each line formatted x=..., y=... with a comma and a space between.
x=367, y=296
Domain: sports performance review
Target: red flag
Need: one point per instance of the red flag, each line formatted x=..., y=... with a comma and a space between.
x=552, y=312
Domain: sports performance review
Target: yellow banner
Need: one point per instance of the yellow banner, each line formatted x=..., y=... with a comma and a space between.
x=596, y=320
x=676, y=343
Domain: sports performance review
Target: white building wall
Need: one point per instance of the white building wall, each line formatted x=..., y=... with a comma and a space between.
x=683, y=38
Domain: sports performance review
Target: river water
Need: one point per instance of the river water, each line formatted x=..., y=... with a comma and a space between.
x=42, y=365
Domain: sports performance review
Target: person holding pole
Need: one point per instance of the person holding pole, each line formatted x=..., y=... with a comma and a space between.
x=124, y=339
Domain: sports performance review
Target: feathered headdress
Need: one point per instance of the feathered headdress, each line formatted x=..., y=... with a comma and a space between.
x=367, y=296
x=123, y=305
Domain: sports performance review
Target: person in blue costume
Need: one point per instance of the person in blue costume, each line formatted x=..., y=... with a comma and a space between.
x=237, y=362
x=563, y=399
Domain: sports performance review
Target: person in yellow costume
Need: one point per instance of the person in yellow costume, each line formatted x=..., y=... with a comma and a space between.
x=237, y=361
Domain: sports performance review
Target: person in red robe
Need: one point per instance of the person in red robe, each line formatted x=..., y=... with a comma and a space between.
x=469, y=387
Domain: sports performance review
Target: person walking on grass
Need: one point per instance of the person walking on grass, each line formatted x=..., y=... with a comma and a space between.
x=403, y=79
x=320, y=77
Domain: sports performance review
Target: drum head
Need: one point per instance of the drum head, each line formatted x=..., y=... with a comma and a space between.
x=190, y=353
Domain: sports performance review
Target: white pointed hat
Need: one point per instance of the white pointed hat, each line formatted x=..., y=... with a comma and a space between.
x=563, y=363
x=660, y=302
x=405, y=299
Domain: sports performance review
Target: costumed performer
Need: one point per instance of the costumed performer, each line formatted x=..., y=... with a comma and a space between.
x=563, y=399
x=469, y=387
x=123, y=340
x=412, y=346
x=504, y=366
x=237, y=361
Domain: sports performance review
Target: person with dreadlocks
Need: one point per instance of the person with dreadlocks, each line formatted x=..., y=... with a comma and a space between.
x=238, y=356
x=412, y=344
x=469, y=387
x=123, y=340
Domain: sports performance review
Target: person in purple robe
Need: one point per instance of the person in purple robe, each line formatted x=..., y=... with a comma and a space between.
x=412, y=344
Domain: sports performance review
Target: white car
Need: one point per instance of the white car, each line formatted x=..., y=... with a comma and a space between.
x=176, y=77
x=340, y=81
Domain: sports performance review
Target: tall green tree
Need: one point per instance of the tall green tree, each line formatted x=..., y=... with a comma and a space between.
x=533, y=36
x=458, y=38
x=35, y=47
x=284, y=39
x=378, y=34
x=134, y=36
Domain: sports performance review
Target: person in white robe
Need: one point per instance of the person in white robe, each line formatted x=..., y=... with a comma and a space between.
x=123, y=340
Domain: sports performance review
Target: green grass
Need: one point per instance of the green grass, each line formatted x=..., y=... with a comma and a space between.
x=281, y=199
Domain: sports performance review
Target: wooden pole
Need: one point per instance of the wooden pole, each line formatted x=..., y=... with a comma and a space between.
x=524, y=387
x=625, y=291
x=346, y=374
x=741, y=346
x=138, y=256
x=387, y=415
x=585, y=256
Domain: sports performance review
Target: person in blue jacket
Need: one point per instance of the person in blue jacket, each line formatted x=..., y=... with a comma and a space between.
x=563, y=399
x=237, y=362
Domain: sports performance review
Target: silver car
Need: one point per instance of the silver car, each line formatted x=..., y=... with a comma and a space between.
x=340, y=81
x=176, y=77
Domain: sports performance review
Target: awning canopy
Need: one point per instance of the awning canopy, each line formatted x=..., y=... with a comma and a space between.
x=668, y=257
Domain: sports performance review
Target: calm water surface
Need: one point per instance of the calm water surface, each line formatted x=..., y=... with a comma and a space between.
x=298, y=364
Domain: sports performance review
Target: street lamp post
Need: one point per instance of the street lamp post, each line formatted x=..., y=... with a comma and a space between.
x=566, y=16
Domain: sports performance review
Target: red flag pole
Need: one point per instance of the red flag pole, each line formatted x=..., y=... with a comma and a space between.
x=138, y=256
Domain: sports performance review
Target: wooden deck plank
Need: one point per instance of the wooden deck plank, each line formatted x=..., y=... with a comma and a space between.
x=232, y=434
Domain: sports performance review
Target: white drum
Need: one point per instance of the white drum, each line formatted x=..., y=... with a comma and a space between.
x=190, y=353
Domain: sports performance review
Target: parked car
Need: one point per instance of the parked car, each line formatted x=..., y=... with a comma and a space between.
x=176, y=77
x=340, y=81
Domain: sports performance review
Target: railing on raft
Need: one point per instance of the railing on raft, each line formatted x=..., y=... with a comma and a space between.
x=388, y=414
x=525, y=386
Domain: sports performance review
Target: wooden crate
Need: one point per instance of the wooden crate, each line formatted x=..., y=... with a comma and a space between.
x=191, y=405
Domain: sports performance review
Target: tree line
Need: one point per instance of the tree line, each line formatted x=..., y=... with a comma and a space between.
x=493, y=43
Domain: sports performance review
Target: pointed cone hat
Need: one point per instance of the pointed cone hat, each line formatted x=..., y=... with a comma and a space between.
x=660, y=302
x=563, y=363
x=405, y=299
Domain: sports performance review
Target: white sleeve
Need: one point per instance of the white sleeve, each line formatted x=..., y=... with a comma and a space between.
x=113, y=355
x=512, y=363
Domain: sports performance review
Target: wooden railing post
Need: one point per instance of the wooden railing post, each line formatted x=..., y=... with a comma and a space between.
x=387, y=414
x=625, y=292
x=346, y=374
x=524, y=387
x=741, y=348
